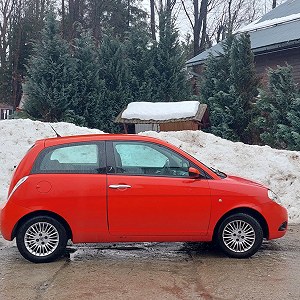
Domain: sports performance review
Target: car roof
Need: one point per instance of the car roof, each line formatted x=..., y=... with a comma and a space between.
x=97, y=137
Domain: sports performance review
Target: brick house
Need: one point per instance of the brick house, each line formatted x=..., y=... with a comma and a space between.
x=275, y=41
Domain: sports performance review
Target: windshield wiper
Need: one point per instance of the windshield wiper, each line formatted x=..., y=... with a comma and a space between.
x=219, y=173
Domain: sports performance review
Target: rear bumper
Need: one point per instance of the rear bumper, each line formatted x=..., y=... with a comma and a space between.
x=10, y=214
x=277, y=219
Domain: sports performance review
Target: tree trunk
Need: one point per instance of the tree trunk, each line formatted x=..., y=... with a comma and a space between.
x=203, y=16
x=152, y=16
x=197, y=28
x=128, y=14
x=63, y=18
x=274, y=4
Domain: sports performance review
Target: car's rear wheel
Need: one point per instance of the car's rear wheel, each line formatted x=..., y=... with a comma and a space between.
x=41, y=239
x=240, y=235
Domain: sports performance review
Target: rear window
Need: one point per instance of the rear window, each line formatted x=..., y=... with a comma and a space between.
x=72, y=158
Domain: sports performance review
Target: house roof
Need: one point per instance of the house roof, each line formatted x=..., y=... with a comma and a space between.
x=161, y=112
x=278, y=29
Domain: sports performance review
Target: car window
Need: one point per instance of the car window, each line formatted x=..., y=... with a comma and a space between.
x=82, y=158
x=138, y=158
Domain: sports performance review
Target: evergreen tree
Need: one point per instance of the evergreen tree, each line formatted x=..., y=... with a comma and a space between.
x=167, y=73
x=49, y=84
x=140, y=61
x=230, y=87
x=279, y=108
x=216, y=92
x=86, y=101
x=244, y=86
x=116, y=73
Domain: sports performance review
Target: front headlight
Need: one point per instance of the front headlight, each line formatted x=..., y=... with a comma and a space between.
x=273, y=196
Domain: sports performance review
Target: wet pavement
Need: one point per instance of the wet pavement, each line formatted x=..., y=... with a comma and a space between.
x=155, y=271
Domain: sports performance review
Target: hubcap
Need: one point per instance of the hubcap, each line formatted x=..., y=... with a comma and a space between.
x=238, y=236
x=41, y=239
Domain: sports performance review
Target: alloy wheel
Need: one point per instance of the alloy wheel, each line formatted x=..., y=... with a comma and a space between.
x=238, y=236
x=41, y=239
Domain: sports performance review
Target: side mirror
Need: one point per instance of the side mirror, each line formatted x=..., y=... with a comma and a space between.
x=194, y=173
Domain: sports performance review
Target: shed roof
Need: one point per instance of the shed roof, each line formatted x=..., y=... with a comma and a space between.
x=166, y=112
x=280, y=28
x=6, y=106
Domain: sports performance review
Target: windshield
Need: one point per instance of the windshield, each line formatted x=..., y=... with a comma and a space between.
x=217, y=172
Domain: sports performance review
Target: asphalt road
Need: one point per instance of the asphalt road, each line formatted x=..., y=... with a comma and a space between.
x=155, y=271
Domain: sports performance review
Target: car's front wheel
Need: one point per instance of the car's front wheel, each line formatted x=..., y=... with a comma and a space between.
x=240, y=235
x=41, y=239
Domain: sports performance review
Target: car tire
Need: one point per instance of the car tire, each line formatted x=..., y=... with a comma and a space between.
x=41, y=239
x=240, y=235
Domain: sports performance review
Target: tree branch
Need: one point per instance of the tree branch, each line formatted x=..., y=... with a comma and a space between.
x=187, y=14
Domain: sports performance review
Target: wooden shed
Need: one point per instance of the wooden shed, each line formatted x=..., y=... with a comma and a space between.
x=5, y=111
x=163, y=116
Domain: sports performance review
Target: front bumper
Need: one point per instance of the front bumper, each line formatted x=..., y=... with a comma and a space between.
x=277, y=219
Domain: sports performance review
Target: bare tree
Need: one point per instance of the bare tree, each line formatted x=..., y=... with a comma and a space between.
x=152, y=19
x=156, y=6
x=197, y=15
x=213, y=20
x=228, y=16
x=6, y=9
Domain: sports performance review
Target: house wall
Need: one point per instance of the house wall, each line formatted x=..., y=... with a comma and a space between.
x=178, y=126
x=280, y=58
x=265, y=61
x=146, y=127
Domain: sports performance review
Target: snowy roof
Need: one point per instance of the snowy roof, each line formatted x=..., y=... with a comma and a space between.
x=277, y=29
x=161, y=112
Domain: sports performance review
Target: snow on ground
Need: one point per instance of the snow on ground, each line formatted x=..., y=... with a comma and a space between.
x=278, y=169
x=161, y=110
x=17, y=136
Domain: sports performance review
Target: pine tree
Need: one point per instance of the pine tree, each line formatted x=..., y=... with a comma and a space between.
x=244, y=85
x=230, y=87
x=86, y=101
x=49, y=85
x=140, y=61
x=167, y=73
x=279, y=107
x=116, y=73
x=216, y=92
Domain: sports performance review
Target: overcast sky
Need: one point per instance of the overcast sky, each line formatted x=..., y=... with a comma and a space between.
x=183, y=23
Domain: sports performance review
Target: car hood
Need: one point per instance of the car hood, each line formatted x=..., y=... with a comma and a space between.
x=245, y=181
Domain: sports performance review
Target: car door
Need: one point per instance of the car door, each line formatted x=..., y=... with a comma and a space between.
x=70, y=180
x=150, y=192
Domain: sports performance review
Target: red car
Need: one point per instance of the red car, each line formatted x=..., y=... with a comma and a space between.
x=127, y=188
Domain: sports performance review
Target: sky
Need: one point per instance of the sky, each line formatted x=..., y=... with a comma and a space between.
x=183, y=24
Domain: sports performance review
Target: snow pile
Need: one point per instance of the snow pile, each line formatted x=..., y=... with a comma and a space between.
x=278, y=169
x=17, y=136
x=161, y=110
x=276, y=21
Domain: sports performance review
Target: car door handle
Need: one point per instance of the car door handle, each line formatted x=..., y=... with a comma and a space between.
x=120, y=186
